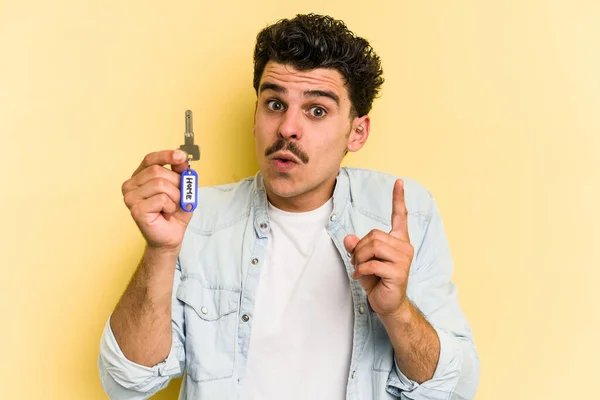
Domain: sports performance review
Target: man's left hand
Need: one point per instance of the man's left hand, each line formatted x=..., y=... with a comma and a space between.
x=382, y=260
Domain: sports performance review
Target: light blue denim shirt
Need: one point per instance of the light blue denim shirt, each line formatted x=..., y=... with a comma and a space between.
x=217, y=276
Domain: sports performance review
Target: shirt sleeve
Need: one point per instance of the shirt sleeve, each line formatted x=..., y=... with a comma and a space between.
x=430, y=289
x=124, y=379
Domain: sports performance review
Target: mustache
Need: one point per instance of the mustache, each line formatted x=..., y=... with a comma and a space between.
x=292, y=147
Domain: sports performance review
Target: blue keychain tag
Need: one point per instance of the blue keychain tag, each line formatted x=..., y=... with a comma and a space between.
x=189, y=190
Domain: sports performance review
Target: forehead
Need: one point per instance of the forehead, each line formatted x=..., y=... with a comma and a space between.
x=320, y=78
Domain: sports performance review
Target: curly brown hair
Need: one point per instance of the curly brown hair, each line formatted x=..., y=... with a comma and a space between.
x=311, y=41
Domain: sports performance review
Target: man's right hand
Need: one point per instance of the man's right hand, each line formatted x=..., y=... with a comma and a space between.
x=152, y=195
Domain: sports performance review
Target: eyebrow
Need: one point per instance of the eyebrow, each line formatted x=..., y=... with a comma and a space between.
x=309, y=93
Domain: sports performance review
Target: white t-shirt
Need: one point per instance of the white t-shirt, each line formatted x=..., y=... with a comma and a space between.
x=301, y=340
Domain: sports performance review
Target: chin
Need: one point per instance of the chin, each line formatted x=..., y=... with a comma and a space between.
x=281, y=186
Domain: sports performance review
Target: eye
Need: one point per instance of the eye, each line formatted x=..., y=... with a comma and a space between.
x=274, y=105
x=317, y=111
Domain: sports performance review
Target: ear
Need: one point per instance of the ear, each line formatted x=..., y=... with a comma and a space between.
x=361, y=126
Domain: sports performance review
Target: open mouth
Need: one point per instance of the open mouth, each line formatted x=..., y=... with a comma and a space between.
x=284, y=164
x=284, y=160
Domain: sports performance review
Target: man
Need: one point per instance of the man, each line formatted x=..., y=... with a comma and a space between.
x=307, y=281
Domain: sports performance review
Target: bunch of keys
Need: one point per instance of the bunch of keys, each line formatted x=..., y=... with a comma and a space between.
x=189, y=177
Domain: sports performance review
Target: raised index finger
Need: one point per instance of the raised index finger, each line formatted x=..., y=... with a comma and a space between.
x=399, y=213
x=164, y=157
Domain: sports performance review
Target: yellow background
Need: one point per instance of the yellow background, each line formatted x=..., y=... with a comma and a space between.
x=493, y=105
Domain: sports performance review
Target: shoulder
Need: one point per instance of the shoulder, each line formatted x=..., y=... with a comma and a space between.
x=222, y=205
x=371, y=193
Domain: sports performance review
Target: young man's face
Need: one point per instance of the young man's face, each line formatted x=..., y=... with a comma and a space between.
x=302, y=127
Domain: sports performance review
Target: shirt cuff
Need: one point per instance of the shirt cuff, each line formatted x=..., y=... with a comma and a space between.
x=134, y=376
x=445, y=377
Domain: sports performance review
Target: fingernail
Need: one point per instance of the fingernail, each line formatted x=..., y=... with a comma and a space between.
x=179, y=155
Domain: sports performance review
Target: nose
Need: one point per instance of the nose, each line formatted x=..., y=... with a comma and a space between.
x=290, y=127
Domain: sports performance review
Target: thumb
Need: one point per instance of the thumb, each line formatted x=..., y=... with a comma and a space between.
x=350, y=242
x=179, y=162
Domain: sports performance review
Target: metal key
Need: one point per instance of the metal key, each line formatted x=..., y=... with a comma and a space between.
x=192, y=150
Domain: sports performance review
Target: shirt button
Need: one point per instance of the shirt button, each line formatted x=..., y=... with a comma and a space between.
x=204, y=310
x=361, y=309
x=353, y=374
x=245, y=318
x=255, y=261
x=263, y=225
x=333, y=217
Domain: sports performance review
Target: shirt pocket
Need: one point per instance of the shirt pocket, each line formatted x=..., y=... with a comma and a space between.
x=210, y=329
